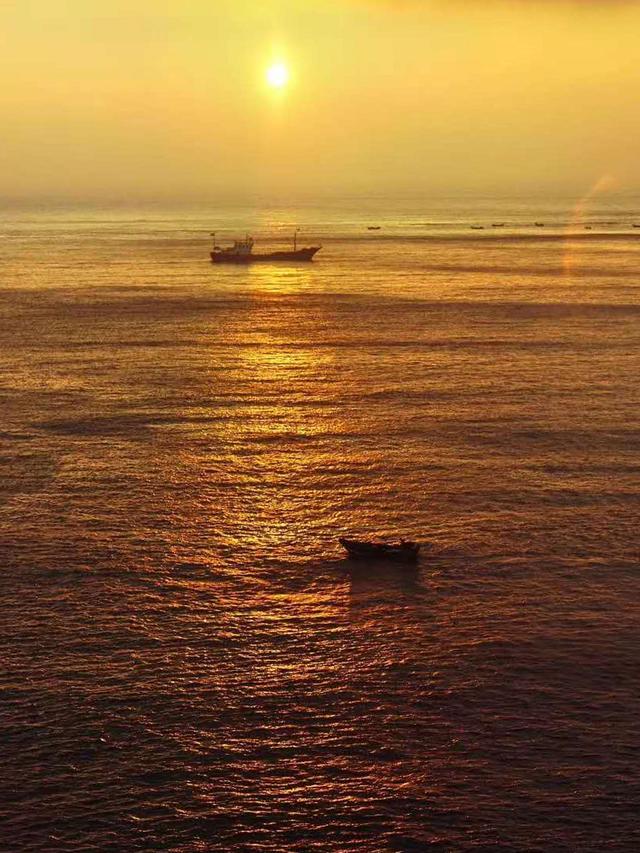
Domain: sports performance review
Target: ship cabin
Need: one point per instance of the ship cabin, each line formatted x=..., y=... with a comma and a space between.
x=239, y=247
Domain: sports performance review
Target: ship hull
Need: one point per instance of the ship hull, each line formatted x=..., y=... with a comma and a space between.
x=293, y=256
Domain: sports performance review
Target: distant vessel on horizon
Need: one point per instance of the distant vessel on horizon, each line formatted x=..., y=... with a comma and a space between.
x=241, y=252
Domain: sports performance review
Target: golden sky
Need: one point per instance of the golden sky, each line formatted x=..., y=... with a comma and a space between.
x=168, y=98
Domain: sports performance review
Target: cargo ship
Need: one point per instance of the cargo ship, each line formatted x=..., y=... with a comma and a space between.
x=241, y=252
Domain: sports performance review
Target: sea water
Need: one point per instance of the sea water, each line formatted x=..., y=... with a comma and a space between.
x=189, y=662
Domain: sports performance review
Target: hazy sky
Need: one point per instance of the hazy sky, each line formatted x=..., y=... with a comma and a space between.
x=168, y=98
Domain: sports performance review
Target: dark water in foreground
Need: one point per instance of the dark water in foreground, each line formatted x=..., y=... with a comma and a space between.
x=189, y=664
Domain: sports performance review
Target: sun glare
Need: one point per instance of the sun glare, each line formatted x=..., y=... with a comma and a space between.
x=277, y=75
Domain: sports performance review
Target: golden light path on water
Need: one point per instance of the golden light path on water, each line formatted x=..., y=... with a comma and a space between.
x=190, y=662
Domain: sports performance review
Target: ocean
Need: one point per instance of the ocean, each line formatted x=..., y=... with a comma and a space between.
x=189, y=662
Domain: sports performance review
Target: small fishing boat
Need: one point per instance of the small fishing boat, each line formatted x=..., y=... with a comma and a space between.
x=373, y=227
x=539, y=224
x=403, y=551
x=636, y=226
x=241, y=252
x=477, y=227
x=497, y=224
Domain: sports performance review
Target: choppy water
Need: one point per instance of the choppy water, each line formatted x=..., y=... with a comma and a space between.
x=189, y=664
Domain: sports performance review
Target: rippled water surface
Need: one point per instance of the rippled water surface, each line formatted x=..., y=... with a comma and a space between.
x=189, y=664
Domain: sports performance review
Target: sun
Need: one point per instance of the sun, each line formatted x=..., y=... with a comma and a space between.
x=277, y=75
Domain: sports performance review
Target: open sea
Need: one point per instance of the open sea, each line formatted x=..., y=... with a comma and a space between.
x=188, y=662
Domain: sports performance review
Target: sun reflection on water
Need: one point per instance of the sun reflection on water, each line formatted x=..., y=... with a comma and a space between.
x=275, y=278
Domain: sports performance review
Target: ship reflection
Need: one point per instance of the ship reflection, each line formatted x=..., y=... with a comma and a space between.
x=370, y=581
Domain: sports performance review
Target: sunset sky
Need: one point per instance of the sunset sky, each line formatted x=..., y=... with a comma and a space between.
x=170, y=98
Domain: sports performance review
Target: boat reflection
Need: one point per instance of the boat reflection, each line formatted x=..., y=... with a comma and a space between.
x=374, y=581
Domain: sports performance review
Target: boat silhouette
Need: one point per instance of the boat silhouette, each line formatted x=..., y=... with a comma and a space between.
x=241, y=252
x=403, y=551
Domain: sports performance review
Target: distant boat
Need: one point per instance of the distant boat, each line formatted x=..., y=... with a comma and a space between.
x=403, y=551
x=636, y=226
x=477, y=227
x=539, y=224
x=241, y=252
x=497, y=224
x=373, y=227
